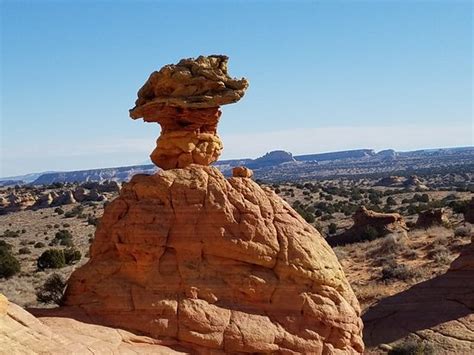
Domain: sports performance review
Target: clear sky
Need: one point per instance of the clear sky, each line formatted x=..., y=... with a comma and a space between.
x=324, y=76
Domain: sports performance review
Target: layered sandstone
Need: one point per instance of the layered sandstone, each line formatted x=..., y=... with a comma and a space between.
x=220, y=265
x=185, y=99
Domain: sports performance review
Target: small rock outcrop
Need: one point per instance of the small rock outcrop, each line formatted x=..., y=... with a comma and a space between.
x=185, y=99
x=219, y=265
x=414, y=183
x=370, y=225
x=469, y=213
x=433, y=217
x=390, y=181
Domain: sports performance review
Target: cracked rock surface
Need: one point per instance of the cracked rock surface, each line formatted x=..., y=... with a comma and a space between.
x=218, y=265
x=439, y=311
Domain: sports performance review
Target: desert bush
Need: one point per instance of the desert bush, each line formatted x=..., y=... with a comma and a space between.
x=11, y=234
x=332, y=228
x=93, y=221
x=369, y=233
x=23, y=251
x=391, y=201
x=76, y=211
x=391, y=244
x=52, y=290
x=59, y=210
x=411, y=347
x=440, y=255
x=394, y=271
x=462, y=231
x=39, y=245
x=9, y=265
x=63, y=237
x=71, y=255
x=5, y=245
x=51, y=259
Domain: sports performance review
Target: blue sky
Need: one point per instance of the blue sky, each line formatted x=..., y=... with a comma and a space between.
x=324, y=75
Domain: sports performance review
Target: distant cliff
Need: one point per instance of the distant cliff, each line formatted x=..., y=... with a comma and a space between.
x=280, y=164
x=345, y=154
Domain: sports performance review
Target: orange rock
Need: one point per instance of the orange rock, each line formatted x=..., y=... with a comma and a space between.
x=219, y=265
x=59, y=332
x=184, y=99
x=242, y=171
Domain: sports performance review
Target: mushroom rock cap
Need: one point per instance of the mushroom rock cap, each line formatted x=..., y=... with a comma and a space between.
x=184, y=99
x=192, y=83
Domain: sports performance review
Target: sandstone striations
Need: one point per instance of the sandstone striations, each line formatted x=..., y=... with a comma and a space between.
x=60, y=333
x=185, y=99
x=218, y=264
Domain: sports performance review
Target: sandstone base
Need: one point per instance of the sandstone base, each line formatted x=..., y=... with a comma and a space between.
x=221, y=265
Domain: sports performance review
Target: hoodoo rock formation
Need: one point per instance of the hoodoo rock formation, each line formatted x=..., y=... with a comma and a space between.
x=185, y=99
x=218, y=265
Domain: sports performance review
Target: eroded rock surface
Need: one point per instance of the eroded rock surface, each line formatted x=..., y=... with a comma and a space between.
x=439, y=311
x=220, y=265
x=185, y=99
x=60, y=333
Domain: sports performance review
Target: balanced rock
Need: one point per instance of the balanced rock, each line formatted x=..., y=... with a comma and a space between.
x=185, y=99
x=369, y=225
x=221, y=265
x=242, y=171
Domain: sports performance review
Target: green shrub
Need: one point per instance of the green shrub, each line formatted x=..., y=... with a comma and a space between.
x=39, y=245
x=9, y=265
x=51, y=259
x=394, y=271
x=59, y=210
x=11, y=234
x=332, y=228
x=63, y=237
x=369, y=233
x=412, y=348
x=71, y=255
x=52, y=290
x=24, y=250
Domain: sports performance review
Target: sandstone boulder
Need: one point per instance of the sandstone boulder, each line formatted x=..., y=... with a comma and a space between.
x=223, y=266
x=369, y=225
x=414, y=183
x=66, y=198
x=390, y=181
x=431, y=218
x=242, y=171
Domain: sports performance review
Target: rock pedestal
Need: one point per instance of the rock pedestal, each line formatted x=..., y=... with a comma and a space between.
x=185, y=99
x=219, y=265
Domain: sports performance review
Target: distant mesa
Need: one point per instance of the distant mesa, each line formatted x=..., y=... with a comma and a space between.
x=272, y=158
x=185, y=99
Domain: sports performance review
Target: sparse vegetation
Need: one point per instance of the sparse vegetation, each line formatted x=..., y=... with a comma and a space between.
x=52, y=290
